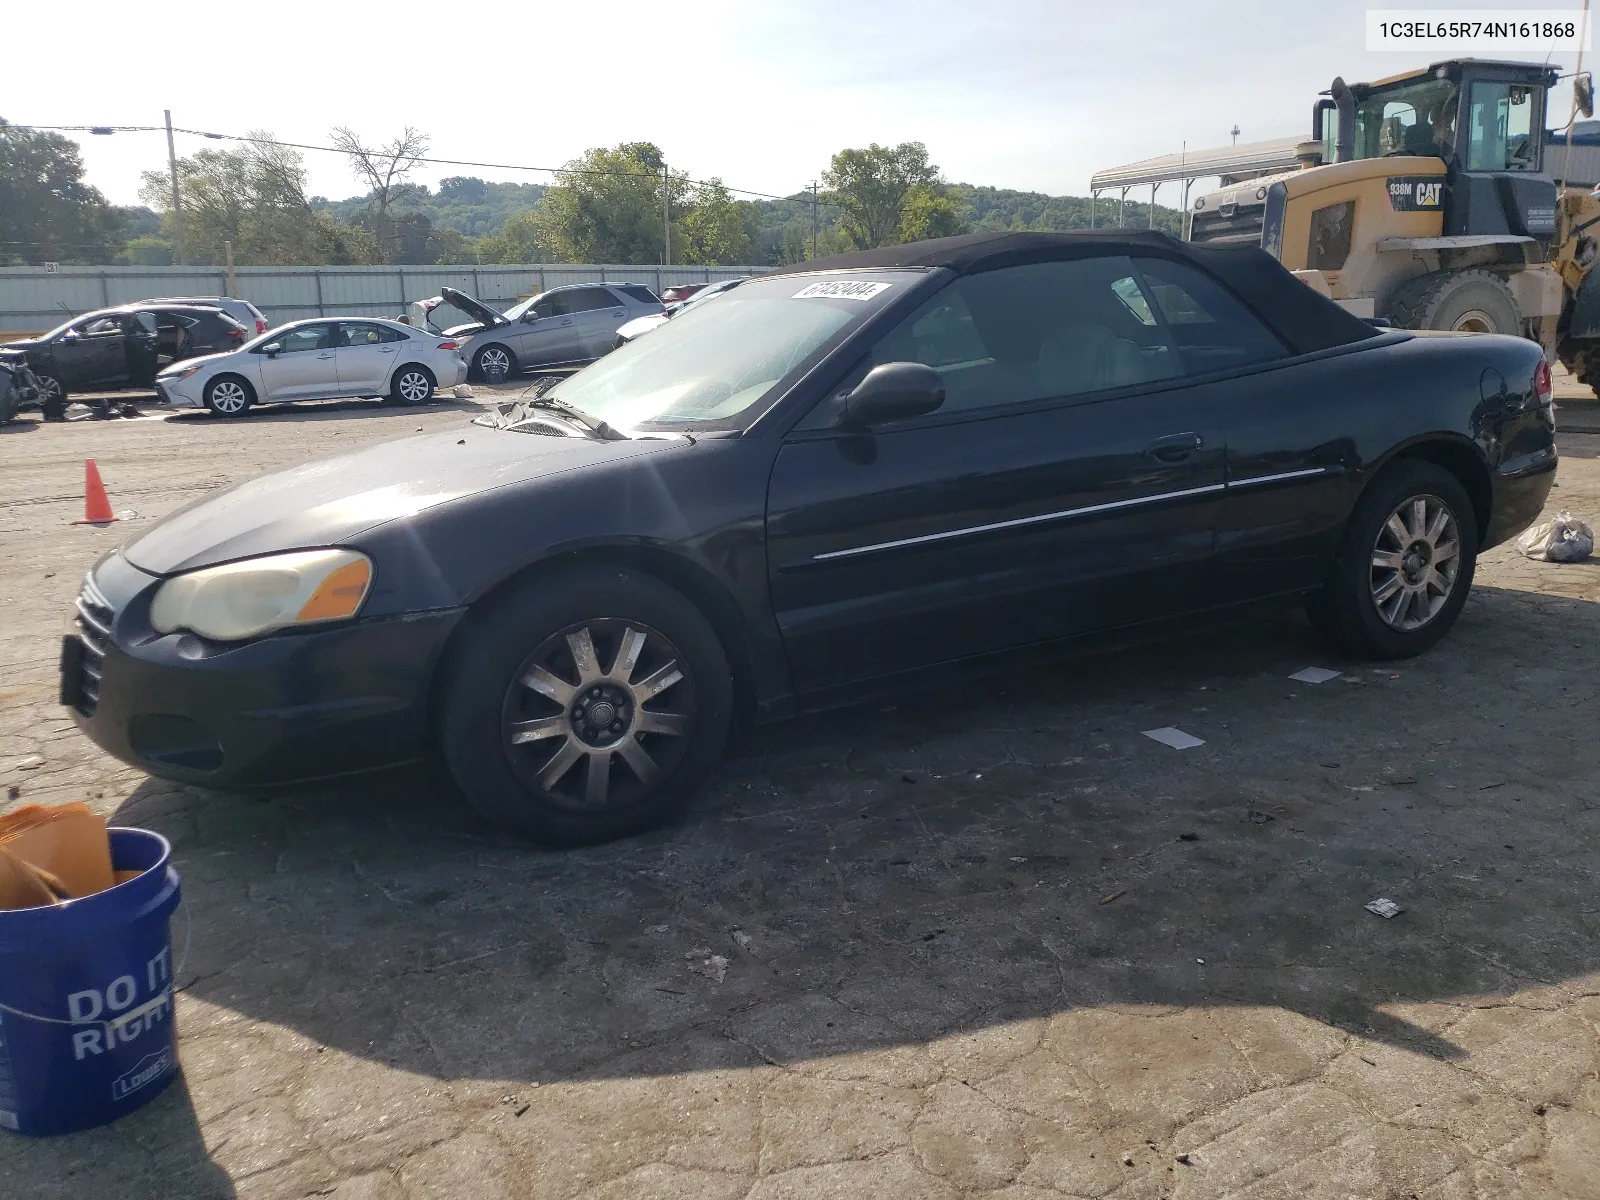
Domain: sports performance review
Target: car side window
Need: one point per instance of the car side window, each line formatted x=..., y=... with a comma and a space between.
x=352, y=334
x=589, y=298
x=385, y=334
x=307, y=337
x=1033, y=332
x=1213, y=331
x=99, y=327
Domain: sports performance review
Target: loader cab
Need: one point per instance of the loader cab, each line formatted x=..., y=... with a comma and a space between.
x=1484, y=119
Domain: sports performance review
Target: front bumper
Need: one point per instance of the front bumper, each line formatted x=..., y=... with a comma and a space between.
x=281, y=709
x=183, y=393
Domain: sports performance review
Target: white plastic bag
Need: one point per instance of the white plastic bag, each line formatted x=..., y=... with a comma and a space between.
x=1566, y=539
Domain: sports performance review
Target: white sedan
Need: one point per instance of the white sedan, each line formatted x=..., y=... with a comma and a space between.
x=318, y=360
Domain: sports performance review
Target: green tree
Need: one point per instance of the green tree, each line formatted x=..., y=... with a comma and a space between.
x=146, y=252
x=47, y=212
x=606, y=206
x=716, y=230
x=928, y=212
x=522, y=241
x=871, y=187
x=253, y=196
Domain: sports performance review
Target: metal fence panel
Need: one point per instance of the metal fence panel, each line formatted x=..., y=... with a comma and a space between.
x=33, y=299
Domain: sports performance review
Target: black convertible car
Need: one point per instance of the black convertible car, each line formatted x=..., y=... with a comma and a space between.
x=846, y=475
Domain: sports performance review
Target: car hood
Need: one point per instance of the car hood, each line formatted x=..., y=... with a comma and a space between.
x=24, y=344
x=328, y=502
x=638, y=325
x=472, y=307
x=199, y=360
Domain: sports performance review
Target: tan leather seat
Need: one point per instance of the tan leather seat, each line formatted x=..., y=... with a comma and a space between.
x=1086, y=357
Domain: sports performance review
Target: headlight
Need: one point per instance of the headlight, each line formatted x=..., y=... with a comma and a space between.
x=250, y=598
x=175, y=373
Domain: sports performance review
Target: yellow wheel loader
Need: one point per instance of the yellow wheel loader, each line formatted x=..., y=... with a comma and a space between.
x=1420, y=199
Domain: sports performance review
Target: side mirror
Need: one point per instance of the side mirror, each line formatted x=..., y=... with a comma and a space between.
x=70, y=335
x=272, y=349
x=893, y=392
x=1583, y=93
x=529, y=317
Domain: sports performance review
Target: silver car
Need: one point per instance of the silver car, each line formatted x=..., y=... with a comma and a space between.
x=565, y=326
x=318, y=359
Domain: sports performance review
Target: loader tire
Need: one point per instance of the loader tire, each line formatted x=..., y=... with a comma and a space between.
x=1586, y=368
x=1470, y=301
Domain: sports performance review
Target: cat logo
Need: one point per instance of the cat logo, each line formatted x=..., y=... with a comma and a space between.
x=1413, y=194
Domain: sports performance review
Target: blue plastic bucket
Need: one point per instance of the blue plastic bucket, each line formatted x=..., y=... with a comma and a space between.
x=86, y=1020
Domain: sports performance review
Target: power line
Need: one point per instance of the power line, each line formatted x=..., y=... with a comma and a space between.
x=101, y=130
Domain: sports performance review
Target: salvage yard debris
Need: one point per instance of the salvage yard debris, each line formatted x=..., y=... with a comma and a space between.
x=1564, y=539
x=1168, y=735
x=1315, y=675
x=1385, y=908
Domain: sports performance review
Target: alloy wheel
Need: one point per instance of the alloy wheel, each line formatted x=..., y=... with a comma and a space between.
x=1415, y=563
x=49, y=388
x=494, y=363
x=588, y=736
x=228, y=397
x=414, y=387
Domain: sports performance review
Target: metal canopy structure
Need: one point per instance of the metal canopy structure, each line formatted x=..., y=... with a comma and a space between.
x=1227, y=162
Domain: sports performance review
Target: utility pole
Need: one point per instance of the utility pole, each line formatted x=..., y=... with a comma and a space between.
x=177, y=203
x=814, y=218
x=233, y=283
x=1235, y=132
x=666, y=216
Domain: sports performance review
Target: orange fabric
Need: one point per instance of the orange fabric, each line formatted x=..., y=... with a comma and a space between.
x=339, y=595
x=67, y=841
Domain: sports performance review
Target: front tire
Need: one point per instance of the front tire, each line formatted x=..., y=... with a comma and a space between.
x=411, y=385
x=1404, y=566
x=228, y=396
x=494, y=364
x=585, y=705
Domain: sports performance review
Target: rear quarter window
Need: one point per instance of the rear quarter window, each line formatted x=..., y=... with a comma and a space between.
x=642, y=294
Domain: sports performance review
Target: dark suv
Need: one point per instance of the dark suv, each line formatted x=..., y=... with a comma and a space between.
x=123, y=347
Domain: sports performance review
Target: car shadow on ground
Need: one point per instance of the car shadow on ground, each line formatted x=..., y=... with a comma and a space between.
x=323, y=410
x=875, y=878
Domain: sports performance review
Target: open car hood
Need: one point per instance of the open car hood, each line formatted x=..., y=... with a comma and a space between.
x=476, y=309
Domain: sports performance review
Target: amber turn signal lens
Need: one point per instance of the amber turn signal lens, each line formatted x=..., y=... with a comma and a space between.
x=339, y=595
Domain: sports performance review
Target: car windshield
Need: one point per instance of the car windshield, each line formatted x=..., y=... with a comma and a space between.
x=514, y=313
x=715, y=364
x=1415, y=118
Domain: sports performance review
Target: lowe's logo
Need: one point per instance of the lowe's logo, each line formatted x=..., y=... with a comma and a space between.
x=151, y=1067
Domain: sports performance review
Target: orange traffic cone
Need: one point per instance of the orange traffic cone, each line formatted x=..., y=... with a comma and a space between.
x=96, y=507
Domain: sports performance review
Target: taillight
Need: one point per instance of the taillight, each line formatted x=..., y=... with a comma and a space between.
x=236, y=334
x=261, y=326
x=449, y=345
x=1542, y=386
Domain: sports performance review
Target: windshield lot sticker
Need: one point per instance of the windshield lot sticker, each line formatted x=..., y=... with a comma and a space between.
x=841, y=289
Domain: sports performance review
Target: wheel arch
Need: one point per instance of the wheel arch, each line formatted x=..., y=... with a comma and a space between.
x=1461, y=458
x=697, y=584
x=399, y=367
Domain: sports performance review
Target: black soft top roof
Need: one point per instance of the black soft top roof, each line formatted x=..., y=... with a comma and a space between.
x=1306, y=320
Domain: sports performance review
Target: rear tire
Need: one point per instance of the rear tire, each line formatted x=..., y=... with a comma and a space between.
x=1402, y=572
x=576, y=757
x=1471, y=301
x=229, y=396
x=412, y=384
x=494, y=363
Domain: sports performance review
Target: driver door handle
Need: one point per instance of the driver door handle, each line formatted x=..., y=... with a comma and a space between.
x=1175, y=447
x=324, y=356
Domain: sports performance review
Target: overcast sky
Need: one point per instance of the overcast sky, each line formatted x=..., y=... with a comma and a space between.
x=1014, y=93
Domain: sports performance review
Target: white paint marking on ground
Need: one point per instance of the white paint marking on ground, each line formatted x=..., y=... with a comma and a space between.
x=1167, y=735
x=1315, y=675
